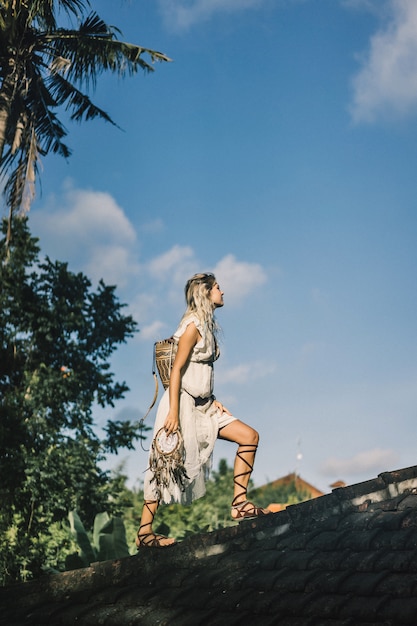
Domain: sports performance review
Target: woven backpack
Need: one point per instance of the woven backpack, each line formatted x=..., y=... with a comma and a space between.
x=164, y=353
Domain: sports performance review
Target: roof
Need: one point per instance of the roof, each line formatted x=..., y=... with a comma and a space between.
x=292, y=479
x=344, y=559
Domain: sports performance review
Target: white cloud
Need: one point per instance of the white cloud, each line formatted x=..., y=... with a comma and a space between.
x=152, y=332
x=142, y=304
x=370, y=461
x=85, y=212
x=238, y=278
x=182, y=14
x=89, y=230
x=171, y=262
x=114, y=263
x=155, y=226
x=386, y=85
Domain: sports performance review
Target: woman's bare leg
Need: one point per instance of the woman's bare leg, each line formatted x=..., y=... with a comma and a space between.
x=247, y=439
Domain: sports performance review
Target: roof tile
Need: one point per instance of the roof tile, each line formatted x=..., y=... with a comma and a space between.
x=363, y=609
x=348, y=558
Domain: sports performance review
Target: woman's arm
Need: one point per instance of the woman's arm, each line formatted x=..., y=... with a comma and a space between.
x=186, y=344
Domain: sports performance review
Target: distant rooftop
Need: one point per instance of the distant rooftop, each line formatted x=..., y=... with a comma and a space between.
x=297, y=481
x=348, y=558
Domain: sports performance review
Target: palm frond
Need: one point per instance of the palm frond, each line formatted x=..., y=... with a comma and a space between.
x=50, y=130
x=20, y=186
x=31, y=159
x=64, y=93
x=75, y=7
x=45, y=12
x=94, y=49
x=20, y=127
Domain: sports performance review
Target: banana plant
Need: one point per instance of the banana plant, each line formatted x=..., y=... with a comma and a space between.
x=109, y=540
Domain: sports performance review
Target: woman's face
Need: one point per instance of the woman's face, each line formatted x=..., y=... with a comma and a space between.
x=216, y=296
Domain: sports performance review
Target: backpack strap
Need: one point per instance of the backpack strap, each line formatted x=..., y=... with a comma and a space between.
x=154, y=399
x=155, y=396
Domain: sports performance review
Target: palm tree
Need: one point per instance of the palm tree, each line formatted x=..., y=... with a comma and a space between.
x=44, y=66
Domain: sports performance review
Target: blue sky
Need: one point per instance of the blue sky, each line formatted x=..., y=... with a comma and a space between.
x=279, y=150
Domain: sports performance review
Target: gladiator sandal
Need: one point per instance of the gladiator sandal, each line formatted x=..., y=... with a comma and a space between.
x=151, y=539
x=244, y=509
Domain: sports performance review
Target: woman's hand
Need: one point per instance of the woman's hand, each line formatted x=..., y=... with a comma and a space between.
x=219, y=406
x=171, y=423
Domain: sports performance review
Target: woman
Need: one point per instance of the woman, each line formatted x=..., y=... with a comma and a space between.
x=189, y=405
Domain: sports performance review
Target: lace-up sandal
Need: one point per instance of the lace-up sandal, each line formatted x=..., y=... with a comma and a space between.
x=243, y=509
x=247, y=510
x=151, y=539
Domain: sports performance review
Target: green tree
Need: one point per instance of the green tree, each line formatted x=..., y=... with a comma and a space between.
x=45, y=66
x=56, y=338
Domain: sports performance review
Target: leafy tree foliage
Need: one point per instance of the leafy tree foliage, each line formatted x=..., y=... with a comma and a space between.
x=44, y=66
x=56, y=337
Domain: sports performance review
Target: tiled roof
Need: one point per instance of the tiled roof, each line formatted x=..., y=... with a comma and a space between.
x=345, y=559
x=292, y=479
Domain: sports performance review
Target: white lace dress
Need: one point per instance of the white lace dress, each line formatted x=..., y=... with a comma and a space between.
x=199, y=421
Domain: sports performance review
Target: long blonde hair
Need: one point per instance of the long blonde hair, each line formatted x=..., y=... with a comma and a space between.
x=197, y=296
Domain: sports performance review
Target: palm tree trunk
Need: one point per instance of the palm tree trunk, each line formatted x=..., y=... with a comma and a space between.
x=4, y=116
x=5, y=106
x=6, y=98
x=7, y=91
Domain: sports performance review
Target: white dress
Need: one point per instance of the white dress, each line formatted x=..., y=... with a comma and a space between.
x=199, y=422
